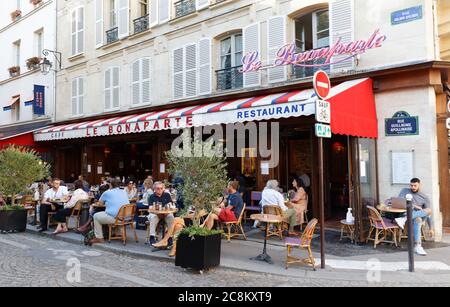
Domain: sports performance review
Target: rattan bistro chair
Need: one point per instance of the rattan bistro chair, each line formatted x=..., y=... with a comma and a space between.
x=235, y=229
x=277, y=228
x=383, y=226
x=76, y=213
x=304, y=242
x=123, y=219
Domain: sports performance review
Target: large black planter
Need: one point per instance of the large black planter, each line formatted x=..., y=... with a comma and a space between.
x=13, y=221
x=200, y=254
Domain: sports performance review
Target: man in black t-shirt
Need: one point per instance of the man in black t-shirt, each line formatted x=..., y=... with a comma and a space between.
x=163, y=198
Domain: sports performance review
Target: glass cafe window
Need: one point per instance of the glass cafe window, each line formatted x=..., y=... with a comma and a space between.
x=229, y=77
x=312, y=31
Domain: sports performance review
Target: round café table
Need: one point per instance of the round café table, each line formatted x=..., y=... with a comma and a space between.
x=162, y=215
x=265, y=218
x=389, y=209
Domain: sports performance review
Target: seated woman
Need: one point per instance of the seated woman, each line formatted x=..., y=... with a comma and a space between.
x=143, y=203
x=299, y=200
x=93, y=210
x=229, y=213
x=131, y=190
x=62, y=214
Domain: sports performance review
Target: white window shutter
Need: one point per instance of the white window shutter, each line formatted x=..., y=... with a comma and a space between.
x=80, y=32
x=146, y=78
x=252, y=42
x=74, y=32
x=80, y=95
x=204, y=70
x=163, y=10
x=74, y=96
x=136, y=82
x=201, y=4
x=154, y=12
x=276, y=33
x=124, y=18
x=115, y=82
x=107, y=91
x=98, y=23
x=342, y=26
x=178, y=73
x=191, y=70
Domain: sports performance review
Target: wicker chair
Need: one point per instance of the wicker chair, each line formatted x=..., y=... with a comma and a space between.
x=277, y=227
x=236, y=226
x=304, y=242
x=254, y=197
x=381, y=226
x=123, y=219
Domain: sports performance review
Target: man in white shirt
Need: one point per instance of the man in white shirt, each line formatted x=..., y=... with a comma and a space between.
x=57, y=192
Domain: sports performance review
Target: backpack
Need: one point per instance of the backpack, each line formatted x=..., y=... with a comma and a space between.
x=88, y=236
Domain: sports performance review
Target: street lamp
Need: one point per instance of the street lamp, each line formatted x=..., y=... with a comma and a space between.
x=46, y=65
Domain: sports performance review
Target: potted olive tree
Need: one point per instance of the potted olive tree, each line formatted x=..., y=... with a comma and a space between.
x=203, y=170
x=19, y=168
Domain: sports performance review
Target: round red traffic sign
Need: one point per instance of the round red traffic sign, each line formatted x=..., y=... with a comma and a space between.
x=322, y=84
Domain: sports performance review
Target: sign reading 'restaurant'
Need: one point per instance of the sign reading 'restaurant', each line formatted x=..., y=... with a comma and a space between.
x=287, y=55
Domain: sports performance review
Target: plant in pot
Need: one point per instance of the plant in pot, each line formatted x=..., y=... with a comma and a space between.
x=203, y=171
x=35, y=2
x=19, y=168
x=14, y=71
x=33, y=63
x=16, y=14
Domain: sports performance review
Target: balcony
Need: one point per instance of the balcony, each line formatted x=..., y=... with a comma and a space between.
x=112, y=35
x=141, y=24
x=184, y=7
x=229, y=78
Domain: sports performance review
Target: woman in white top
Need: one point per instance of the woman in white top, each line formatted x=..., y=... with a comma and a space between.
x=78, y=195
x=131, y=190
x=148, y=191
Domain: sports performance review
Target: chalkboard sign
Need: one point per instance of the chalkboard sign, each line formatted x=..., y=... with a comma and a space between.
x=402, y=124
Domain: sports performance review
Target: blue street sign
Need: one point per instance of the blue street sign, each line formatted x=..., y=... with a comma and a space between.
x=402, y=124
x=406, y=15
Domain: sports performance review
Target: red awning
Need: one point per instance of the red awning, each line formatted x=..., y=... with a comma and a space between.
x=25, y=139
x=353, y=109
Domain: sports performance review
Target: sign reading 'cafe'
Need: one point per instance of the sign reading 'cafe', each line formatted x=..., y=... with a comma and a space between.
x=287, y=55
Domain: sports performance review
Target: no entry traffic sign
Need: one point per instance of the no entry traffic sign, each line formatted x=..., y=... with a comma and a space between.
x=322, y=84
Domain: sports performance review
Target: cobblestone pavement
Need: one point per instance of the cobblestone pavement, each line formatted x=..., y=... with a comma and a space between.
x=29, y=260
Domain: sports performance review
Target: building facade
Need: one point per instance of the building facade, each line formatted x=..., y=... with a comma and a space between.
x=123, y=59
x=27, y=28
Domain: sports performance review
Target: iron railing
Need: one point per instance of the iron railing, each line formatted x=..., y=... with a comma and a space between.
x=141, y=24
x=184, y=7
x=229, y=78
x=112, y=35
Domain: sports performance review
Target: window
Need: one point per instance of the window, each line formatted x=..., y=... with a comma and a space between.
x=16, y=60
x=77, y=96
x=112, y=14
x=16, y=110
x=77, y=28
x=18, y=6
x=312, y=31
x=229, y=77
x=141, y=81
x=112, y=88
x=39, y=38
x=143, y=6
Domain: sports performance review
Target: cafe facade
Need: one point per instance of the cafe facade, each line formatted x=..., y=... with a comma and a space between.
x=233, y=63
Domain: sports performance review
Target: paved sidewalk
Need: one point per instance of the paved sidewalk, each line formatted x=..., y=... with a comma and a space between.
x=385, y=264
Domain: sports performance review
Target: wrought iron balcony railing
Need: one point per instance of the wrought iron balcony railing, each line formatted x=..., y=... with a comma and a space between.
x=184, y=7
x=141, y=24
x=299, y=72
x=112, y=35
x=229, y=78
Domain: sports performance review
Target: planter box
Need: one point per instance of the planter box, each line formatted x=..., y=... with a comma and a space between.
x=200, y=254
x=13, y=221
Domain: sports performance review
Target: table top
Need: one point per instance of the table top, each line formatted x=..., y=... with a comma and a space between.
x=389, y=209
x=344, y=222
x=163, y=212
x=267, y=218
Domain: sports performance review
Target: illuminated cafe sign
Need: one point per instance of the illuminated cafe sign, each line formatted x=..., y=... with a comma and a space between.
x=287, y=55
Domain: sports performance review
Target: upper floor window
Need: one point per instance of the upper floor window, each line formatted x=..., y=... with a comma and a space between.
x=231, y=52
x=112, y=88
x=77, y=96
x=16, y=59
x=312, y=31
x=141, y=81
x=143, y=8
x=142, y=23
x=77, y=30
x=39, y=41
x=18, y=6
x=112, y=14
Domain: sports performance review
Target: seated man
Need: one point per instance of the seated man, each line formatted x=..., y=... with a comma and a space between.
x=164, y=198
x=230, y=212
x=422, y=210
x=113, y=200
x=55, y=192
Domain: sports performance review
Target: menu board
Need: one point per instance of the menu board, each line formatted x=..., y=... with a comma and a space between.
x=402, y=167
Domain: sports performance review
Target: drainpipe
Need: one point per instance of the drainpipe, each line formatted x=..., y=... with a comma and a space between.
x=55, y=48
x=437, y=51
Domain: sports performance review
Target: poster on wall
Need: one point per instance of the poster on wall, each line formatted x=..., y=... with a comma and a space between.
x=265, y=168
x=248, y=163
x=402, y=167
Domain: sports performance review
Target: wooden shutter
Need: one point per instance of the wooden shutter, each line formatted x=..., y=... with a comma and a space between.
x=80, y=30
x=154, y=12
x=136, y=82
x=178, y=73
x=124, y=18
x=115, y=83
x=98, y=23
x=146, y=80
x=80, y=95
x=107, y=89
x=342, y=26
x=204, y=69
x=190, y=70
x=74, y=96
x=163, y=10
x=276, y=38
x=74, y=32
x=201, y=4
x=252, y=42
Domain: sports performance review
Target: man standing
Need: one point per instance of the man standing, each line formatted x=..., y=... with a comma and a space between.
x=56, y=192
x=113, y=200
x=422, y=211
x=163, y=198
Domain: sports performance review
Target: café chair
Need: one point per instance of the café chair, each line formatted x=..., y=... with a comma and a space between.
x=235, y=229
x=124, y=218
x=381, y=226
x=76, y=213
x=304, y=242
x=275, y=229
x=403, y=233
x=254, y=197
